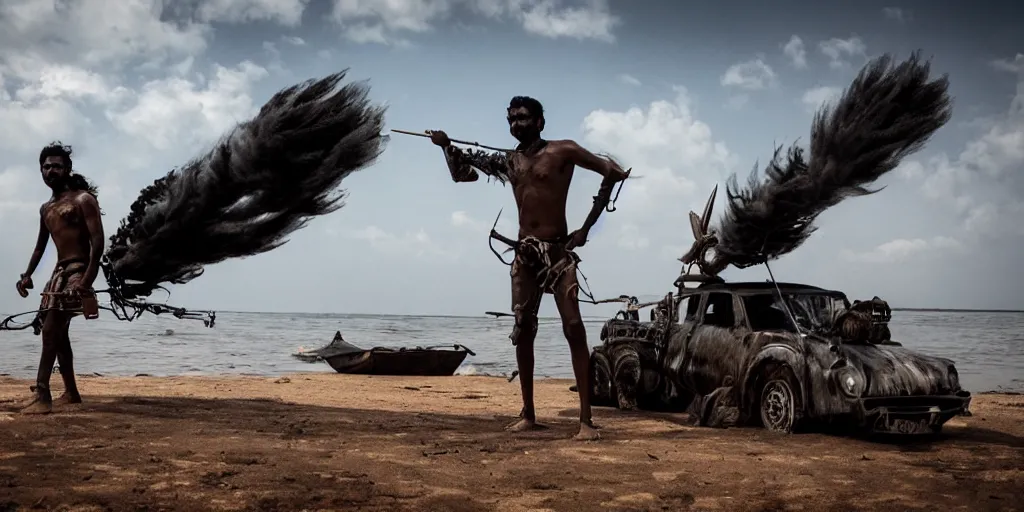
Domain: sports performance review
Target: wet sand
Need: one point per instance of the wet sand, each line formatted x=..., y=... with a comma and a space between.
x=340, y=442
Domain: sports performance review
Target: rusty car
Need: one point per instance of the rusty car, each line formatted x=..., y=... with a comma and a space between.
x=730, y=354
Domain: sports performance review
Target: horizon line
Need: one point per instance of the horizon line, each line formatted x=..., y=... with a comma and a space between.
x=584, y=317
x=484, y=315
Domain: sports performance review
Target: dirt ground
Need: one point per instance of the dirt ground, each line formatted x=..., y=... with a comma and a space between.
x=342, y=442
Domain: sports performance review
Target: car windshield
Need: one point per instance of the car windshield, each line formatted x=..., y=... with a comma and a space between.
x=814, y=312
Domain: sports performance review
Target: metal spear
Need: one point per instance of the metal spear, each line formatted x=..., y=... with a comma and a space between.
x=427, y=133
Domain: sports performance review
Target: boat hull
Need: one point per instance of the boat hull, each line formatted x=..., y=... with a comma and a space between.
x=377, y=361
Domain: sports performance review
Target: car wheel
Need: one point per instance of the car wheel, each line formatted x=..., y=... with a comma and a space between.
x=626, y=375
x=780, y=402
x=601, y=382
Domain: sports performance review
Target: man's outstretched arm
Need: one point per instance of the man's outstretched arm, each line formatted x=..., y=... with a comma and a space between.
x=611, y=172
x=464, y=163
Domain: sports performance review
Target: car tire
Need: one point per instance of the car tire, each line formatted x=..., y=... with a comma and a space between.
x=779, y=404
x=627, y=374
x=602, y=383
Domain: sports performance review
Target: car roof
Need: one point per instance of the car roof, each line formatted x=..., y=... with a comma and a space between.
x=755, y=287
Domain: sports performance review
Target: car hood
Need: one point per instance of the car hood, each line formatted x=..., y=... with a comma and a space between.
x=897, y=371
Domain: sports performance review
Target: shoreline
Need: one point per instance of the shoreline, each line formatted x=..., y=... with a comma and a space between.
x=585, y=317
x=332, y=441
x=328, y=371
x=486, y=316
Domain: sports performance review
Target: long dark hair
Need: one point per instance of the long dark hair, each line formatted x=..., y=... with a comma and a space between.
x=75, y=181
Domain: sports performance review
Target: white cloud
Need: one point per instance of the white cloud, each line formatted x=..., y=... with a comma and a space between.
x=910, y=170
x=363, y=33
x=175, y=111
x=370, y=21
x=410, y=15
x=985, y=182
x=56, y=80
x=589, y=21
x=1013, y=66
x=294, y=40
x=86, y=28
x=902, y=249
x=285, y=12
x=674, y=152
x=462, y=219
x=145, y=34
x=47, y=103
x=815, y=97
x=415, y=243
x=794, y=49
x=63, y=81
x=839, y=51
x=751, y=75
x=29, y=123
x=896, y=14
x=629, y=80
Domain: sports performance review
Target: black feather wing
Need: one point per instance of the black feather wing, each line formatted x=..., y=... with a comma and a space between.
x=888, y=112
x=262, y=181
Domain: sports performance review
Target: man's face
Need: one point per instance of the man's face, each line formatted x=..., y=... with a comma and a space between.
x=53, y=170
x=522, y=124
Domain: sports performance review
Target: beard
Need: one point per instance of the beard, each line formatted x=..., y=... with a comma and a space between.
x=526, y=133
x=53, y=180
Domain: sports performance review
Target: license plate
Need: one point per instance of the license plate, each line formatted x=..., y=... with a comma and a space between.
x=909, y=426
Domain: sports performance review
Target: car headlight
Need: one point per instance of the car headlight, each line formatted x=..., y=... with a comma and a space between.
x=850, y=382
x=954, y=378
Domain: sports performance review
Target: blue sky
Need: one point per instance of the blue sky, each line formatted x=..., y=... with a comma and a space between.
x=684, y=94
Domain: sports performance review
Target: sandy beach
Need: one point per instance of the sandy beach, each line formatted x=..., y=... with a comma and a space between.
x=341, y=442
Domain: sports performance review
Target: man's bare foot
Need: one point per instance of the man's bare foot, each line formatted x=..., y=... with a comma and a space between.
x=41, y=405
x=525, y=425
x=588, y=432
x=66, y=399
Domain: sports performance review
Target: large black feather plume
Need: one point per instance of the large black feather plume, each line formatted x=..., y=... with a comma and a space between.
x=888, y=112
x=263, y=180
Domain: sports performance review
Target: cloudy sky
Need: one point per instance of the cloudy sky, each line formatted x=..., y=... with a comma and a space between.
x=684, y=95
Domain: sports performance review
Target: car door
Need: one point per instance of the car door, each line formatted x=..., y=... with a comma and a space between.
x=675, y=355
x=714, y=352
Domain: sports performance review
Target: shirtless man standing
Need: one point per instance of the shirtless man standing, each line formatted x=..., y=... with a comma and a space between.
x=72, y=218
x=540, y=172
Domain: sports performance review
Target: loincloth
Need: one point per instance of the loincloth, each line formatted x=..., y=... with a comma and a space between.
x=548, y=261
x=58, y=294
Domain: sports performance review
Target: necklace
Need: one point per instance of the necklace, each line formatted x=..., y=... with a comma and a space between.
x=533, y=147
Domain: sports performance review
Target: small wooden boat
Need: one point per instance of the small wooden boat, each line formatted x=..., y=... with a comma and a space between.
x=345, y=357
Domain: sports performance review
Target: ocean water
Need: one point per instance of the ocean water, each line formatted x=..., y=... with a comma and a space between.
x=988, y=348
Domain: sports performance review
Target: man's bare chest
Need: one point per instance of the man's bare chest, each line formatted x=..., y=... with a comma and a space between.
x=544, y=167
x=62, y=214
